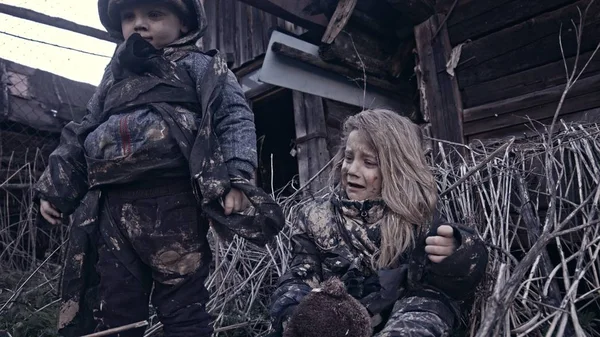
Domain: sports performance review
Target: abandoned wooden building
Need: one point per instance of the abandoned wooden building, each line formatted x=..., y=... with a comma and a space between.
x=464, y=69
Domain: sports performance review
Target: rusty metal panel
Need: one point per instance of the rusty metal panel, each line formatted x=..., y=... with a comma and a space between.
x=296, y=75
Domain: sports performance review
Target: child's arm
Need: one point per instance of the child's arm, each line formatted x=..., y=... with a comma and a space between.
x=304, y=273
x=64, y=181
x=232, y=120
x=458, y=274
x=234, y=126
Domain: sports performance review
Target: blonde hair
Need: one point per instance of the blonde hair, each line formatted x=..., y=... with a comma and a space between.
x=408, y=187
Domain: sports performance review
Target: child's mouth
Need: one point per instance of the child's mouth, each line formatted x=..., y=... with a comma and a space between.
x=356, y=186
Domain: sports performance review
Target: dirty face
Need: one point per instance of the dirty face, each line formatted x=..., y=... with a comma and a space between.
x=361, y=175
x=156, y=23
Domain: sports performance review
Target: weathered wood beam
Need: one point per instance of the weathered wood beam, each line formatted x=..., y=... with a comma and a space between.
x=361, y=51
x=530, y=101
x=339, y=20
x=299, y=55
x=304, y=13
x=440, y=97
x=530, y=44
x=526, y=82
x=311, y=140
x=417, y=10
x=34, y=16
x=4, y=103
x=498, y=16
x=538, y=106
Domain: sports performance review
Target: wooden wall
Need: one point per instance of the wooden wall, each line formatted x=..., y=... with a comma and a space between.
x=511, y=67
x=240, y=31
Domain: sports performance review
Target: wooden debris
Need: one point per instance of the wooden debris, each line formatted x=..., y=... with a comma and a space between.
x=30, y=15
x=339, y=20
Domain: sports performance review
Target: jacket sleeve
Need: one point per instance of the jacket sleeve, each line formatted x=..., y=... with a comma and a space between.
x=233, y=121
x=64, y=181
x=459, y=274
x=423, y=313
x=304, y=273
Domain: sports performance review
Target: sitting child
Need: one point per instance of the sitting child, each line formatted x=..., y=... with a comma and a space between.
x=380, y=233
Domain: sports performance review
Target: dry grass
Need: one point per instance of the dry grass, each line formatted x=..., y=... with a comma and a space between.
x=500, y=189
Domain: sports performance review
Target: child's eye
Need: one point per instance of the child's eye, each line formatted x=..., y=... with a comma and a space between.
x=155, y=14
x=371, y=162
x=126, y=16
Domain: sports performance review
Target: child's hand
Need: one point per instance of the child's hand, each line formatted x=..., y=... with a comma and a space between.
x=441, y=246
x=235, y=201
x=50, y=213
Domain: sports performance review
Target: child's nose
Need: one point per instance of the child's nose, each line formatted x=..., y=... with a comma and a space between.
x=353, y=168
x=140, y=23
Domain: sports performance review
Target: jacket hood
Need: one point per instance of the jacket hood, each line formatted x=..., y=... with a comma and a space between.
x=193, y=10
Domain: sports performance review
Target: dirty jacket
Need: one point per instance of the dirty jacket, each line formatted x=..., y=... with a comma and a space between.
x=181, y=92
x=333, y=237
x=135, y=142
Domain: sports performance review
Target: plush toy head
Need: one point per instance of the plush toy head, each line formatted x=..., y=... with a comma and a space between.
x=329, y=311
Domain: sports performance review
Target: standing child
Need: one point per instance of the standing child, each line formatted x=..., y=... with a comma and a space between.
x=380, y=234
x=168, y=127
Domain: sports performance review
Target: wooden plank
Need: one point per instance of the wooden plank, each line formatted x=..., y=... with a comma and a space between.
x=210, y=38
x=466, y=9
x=256, y=28
x=336, y=114
x=530, y=44
x=416, y=10
x=228, y=25
x=439, y=93
x=241, y=34
x=550, y=95
x=542, y=112
x=304, y=13
x=4, y=103
x=501, y=16
x=360, y=51
x=34, y=16
x=313, y=154
x=527, y=129
x=525, y=82
x=338, y=21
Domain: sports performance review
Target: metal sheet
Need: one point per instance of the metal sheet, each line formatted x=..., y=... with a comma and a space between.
x=296, y=75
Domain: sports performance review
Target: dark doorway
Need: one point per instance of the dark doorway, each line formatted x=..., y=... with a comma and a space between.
x=275, y=129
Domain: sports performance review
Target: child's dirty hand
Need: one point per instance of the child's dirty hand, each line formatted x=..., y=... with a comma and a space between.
x=441, y=246
x=50, y=213
x=235, y=201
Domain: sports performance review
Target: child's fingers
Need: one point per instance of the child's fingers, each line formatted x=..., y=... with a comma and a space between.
x=439, y=241
x=439, y=250
x=228, y=204
x=53, y=219
x=445, y=231
x=237, y=202
x=49, y=209
x=436, y=258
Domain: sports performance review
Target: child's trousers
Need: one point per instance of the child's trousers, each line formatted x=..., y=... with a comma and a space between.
x=153, y=246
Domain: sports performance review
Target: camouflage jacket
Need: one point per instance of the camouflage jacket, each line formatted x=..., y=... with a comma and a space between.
x=335, y=237
x=161, y=85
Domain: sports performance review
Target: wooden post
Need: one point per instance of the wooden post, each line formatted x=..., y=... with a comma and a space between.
x=4, y=103
x=311, y=140
x=34, y=16
x=339, y=20
x=441, y=103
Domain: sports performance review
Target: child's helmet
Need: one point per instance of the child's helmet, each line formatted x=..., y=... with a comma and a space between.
x=189, y=11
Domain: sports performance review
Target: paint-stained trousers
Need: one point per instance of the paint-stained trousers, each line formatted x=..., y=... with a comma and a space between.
x=153, y=245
